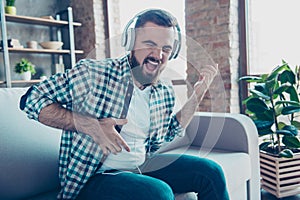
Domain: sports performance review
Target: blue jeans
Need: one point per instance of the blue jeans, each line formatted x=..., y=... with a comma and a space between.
x=162, y=176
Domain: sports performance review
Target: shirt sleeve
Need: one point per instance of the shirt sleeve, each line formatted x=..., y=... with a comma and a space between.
x=175, y=129
x=60, y=88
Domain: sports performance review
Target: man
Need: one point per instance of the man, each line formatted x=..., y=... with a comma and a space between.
x=116, y=113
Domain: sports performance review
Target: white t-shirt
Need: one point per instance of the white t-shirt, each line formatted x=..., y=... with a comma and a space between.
x=134, y=133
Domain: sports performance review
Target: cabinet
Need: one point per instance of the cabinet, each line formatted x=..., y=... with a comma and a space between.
x=57, y=23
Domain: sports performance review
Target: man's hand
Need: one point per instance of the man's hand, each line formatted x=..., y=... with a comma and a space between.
x=108, y=138
x=206, y=76
x=104, y=133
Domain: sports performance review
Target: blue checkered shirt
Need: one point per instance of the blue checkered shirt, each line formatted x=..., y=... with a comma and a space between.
x=98, y=88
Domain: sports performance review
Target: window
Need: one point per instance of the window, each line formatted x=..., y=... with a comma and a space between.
x=273, y=34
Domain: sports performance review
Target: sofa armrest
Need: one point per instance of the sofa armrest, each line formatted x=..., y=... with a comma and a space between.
x=229, y=132
x=224, y=132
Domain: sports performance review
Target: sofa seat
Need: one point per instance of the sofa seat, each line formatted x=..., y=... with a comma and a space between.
x=236, y=167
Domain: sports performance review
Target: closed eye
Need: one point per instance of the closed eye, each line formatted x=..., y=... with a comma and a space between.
x=150, y=43
x=167, y=49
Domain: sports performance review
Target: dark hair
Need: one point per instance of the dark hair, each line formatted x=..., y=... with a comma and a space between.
x=156, y=16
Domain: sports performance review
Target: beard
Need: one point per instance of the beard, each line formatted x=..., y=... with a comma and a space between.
x=145, y=79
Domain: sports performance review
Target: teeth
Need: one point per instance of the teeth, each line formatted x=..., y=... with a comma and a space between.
x=152, y=62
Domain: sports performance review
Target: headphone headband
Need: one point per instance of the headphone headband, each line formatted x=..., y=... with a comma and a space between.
x=128, y=35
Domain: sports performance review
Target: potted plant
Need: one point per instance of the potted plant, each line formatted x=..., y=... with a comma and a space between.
x=25, y=68
x=274, y=106
x=10, y=7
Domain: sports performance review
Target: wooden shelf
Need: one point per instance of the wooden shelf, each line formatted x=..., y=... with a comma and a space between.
x=22, y=81
x=46, y=51
x=37, y=20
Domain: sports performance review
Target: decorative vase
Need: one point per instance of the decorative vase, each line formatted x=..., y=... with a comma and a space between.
x=26, y=76
x=11, y=10
x=280, y=176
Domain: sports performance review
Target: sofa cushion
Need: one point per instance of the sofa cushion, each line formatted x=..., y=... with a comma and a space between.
x=29, y=150
x=236, y=165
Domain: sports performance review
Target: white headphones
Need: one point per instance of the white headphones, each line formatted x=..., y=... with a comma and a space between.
x=128, y=36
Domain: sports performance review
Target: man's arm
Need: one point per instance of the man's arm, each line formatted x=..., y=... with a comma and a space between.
x=43, y=102
x=102, y=131
x=206, y=76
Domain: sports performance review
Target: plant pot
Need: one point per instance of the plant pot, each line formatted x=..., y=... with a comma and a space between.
x=280, y=176
x=11, y=10
x=26, y=76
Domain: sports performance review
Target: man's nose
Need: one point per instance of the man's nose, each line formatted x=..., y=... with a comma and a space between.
x=157, y=53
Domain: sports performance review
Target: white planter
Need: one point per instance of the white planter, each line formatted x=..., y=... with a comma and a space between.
x=280, y=176
x=26, y=76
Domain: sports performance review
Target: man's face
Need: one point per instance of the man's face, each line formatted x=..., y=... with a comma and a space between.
x=152, y=49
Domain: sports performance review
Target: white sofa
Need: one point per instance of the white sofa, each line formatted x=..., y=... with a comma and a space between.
x=29, y=151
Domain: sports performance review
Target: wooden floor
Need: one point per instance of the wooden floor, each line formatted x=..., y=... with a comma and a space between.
x=267, y=196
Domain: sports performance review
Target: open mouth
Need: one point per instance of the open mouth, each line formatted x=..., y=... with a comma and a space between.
x=151, y=63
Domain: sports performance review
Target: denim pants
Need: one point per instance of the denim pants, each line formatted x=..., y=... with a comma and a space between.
x=162, y=176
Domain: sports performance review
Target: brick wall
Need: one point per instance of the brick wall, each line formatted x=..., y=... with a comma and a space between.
x=213, y=26
x=91, y=36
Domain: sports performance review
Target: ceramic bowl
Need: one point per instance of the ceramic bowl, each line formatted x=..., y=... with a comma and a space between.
x=51, y=44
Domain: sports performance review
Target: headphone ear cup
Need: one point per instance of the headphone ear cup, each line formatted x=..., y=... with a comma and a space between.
x=174, y=52
x=130, y=39
x=124, y=38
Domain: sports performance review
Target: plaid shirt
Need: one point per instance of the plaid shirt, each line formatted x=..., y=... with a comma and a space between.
x=98, y=89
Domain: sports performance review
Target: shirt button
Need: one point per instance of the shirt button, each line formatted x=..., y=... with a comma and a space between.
x=129, y=94
x=123, y=116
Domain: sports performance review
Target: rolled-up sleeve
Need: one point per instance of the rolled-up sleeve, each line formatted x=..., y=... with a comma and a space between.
x=60, y=88
x=175, y=129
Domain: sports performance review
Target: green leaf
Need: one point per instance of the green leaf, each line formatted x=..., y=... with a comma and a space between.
x=263, y=124
x=264, y=77
x=291, y=128
x=287, y=77
x=256, y=105
x=281, y=125
x=260, y=87
x=292, y=103
x=263, y=132
x=284, y=132
x=275, y=72
x=290, y=110
x=264, y=145
x=260, y=94
x=10, y=2
x=297, y=72
x=265, y=116
x=250, y=79
x=286, y=153
x=293, y=94
x=282, y=88
x=291, y=141
x=245, y=100
x=270, y=84
x=296, y=124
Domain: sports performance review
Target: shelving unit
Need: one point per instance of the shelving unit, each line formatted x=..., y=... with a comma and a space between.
x=47, y=51
x=6, y=51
